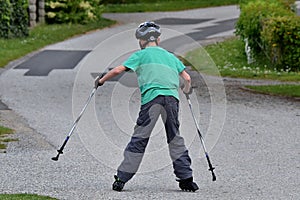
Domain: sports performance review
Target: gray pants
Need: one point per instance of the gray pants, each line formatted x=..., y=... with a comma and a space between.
x=167, y=107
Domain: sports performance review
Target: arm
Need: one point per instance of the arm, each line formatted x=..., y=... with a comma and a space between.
x=187, y=82
x=112, y=73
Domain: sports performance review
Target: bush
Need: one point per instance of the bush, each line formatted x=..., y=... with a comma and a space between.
x=14, y=18
x=249, y=24
x=272, y=27
x=119, y=1
x=287, y=4
x=5, y=13
x=281, y=41
x=73, y=11
x=132, y=1
x=19, y=18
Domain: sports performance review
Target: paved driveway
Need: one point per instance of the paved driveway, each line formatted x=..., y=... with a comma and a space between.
x=252, y=139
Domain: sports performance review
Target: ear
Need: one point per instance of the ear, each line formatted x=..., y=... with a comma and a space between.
x=158, y=40
x=142, y=42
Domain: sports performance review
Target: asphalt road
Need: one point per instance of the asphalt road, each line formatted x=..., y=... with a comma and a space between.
x=252, y=139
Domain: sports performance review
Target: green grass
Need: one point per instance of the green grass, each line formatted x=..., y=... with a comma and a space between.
x=4, y=132
x=24, y=197
x=282, y=90
x=230, y=60
x=41, y=36
x=166, y=5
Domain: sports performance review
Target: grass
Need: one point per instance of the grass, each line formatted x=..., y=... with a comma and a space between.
x=230, y=60
x=166, y=5
x=41, y=36
x=4, y=132
x=24, y=197
x=282, y=90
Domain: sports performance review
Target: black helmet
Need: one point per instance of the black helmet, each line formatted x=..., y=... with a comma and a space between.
x=148, y=31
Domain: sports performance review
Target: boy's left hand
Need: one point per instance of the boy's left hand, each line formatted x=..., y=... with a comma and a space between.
x=190, y=91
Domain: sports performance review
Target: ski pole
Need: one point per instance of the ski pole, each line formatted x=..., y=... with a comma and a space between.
x=211, y=168
x=60, y=151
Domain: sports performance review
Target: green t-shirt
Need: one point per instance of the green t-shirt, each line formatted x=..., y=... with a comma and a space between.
x=157, y=71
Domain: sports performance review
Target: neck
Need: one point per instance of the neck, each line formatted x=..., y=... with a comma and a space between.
x=144, y=44
x=151, y=44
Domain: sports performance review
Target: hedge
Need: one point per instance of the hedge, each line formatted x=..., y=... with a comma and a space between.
x=129, y=1
x=13, y=18
x=5, y=13
x=271, y=27
x=72, y=11
x=249, y=24
x=287, y=4
x=281, y=41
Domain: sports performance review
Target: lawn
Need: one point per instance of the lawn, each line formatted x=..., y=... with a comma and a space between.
x=230, y=60
x=4, y=133
x=166, y=5
x=24, y=197
x=282, y=90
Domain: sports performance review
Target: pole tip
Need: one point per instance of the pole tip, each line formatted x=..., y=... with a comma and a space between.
x=214, y=178
x=55, y=158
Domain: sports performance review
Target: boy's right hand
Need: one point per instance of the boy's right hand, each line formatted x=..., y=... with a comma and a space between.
x=97, y=83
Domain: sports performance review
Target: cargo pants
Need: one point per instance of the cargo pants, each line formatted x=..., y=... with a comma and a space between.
x=167, y=107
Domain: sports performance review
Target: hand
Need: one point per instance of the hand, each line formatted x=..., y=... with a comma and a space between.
x=97, y=83
x=190, y=91
x=187, y=90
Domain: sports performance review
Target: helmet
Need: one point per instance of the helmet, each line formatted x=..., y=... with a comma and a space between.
x=148, y=31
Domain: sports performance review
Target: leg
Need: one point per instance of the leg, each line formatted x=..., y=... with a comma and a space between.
x=177, y=149
x=135, y=149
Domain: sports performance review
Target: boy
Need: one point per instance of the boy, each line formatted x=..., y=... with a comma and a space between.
x=158, y=74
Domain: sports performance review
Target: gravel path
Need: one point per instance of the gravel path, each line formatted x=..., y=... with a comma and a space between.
x=256, y=157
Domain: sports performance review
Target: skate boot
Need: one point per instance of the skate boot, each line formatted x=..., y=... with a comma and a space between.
x=118, y=184
x=188, y=185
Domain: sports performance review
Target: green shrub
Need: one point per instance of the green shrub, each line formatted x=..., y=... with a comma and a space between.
x=133, y=1
x=13, y=18
x=287, y=4
x=281, y=41
x=5, y=13
x=73, y=11
x=119, y=1
x=19, y=18
x=249, y=24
